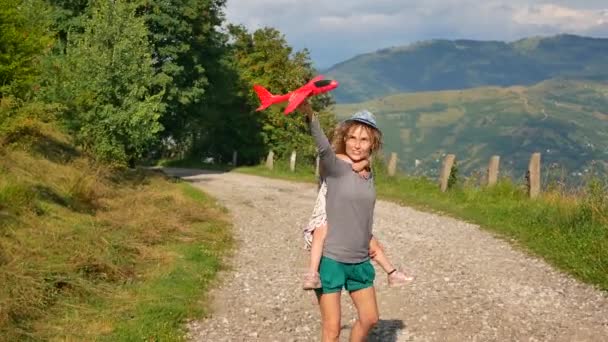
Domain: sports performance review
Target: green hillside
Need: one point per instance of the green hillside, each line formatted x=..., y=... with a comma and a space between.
x=94, y=253
x=565, y=120
x=444, y=65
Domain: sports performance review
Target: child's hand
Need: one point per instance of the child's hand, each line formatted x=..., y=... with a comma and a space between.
x=363, y=174
x=361, y=168
x=375, y=247
x=360, y=165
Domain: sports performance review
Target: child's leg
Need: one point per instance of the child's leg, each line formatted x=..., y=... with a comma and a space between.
x=395, y=276
x=316, y=248
x=380, y=257
x=311, y=278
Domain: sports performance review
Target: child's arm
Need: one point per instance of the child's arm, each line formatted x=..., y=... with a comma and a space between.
x=345, y=158
x=360, y=167
x=374, y=247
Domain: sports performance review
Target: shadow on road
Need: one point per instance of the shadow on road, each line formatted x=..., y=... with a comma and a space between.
x=387, y=330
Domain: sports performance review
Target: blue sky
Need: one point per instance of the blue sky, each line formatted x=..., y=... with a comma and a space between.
x=337, y=30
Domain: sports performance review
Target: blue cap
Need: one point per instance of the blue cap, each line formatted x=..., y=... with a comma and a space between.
x=366, y=117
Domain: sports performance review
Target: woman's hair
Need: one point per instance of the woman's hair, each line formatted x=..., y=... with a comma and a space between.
x=338, y=141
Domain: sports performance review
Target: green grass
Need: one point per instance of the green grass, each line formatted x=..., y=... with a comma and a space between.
x=569, y=231
x=169, y=299
x=175, y=293
x=302, y=173
x=93, y=253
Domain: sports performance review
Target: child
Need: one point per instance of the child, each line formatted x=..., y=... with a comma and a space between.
x=315, y=232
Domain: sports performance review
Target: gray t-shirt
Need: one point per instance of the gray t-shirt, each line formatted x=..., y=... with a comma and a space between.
x=350, y=204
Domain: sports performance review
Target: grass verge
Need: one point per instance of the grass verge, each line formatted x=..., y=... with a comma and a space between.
x=92, y=253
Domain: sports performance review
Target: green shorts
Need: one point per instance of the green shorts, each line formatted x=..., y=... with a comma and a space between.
x=336, y=275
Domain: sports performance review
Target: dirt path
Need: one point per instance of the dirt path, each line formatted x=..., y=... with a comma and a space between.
x=470, y=286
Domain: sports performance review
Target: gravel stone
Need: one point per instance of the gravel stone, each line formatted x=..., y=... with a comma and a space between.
x=470, y=285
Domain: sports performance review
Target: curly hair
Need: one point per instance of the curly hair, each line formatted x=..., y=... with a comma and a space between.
x=340, y=134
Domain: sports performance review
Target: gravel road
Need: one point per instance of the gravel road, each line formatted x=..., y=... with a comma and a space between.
x=470, y=285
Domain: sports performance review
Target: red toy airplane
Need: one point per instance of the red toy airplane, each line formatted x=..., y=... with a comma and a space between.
x=316, y=86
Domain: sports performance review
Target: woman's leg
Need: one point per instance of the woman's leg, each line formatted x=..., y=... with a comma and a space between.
x=367, y=310
x=330, y=316
x=311, y=279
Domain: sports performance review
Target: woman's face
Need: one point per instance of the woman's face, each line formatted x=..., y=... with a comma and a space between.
x=358, y=143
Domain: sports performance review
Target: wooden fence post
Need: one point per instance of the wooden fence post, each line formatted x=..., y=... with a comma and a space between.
x=270, y=160
x=493, y=170
x=234, y=155
x=292, y=161
x=317, y=161
x=533, y=175
x=392, y=164
x=444, y=177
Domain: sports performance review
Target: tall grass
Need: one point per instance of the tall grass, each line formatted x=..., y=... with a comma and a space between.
x=88, y=252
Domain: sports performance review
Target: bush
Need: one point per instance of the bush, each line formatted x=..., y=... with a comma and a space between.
x=22, y=122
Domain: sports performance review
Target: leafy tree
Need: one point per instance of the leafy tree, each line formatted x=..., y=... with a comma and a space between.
x=186, y=44
x=228, y=123
x=206, y=113
x=265, y=58
x=69, y=16
x=24, y=36
x=104, y=81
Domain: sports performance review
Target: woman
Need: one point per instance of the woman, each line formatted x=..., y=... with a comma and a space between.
x=316, y=230
x=350, y=209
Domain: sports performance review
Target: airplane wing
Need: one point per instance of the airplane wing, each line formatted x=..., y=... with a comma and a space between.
x=296, y=99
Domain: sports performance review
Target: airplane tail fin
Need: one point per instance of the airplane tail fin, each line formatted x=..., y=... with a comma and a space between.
x=264, y=95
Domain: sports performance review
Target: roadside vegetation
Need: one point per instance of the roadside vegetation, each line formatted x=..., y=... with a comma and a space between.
x=93, y=252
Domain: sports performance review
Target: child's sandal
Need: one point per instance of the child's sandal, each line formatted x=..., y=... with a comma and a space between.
x=311, y=281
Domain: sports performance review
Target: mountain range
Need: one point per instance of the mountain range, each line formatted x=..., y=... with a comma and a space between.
x=565, y=120
x=482, y=98
x=462, y=64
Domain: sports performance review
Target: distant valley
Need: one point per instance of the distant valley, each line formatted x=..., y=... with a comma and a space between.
x=567, y=121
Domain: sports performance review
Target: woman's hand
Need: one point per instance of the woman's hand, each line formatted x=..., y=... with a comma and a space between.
x=306, y=108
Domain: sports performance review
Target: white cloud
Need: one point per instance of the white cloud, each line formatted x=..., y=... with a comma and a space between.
x=562, y=18
x=337, y=30
x=359, y=23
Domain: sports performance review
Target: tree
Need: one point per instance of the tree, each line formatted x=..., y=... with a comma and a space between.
x=24, y=36
x=69, y=16
x=265, y=58
x=104, y=81
x=186, y=44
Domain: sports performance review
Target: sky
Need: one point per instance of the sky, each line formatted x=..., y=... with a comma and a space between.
x=335, y=31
